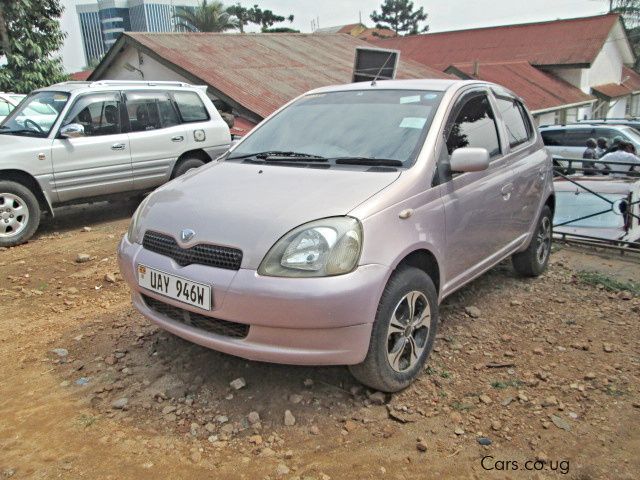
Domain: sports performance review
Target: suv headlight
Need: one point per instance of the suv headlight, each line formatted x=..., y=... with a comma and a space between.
x=133, y=234
x=321, y=248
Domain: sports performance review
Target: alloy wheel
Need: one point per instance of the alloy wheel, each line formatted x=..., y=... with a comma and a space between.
x=543, y=240
x=14, y=215
x=408, y=331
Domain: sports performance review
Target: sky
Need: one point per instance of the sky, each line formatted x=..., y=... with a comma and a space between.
x=443, y=15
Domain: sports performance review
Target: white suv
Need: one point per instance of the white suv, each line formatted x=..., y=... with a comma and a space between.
x=570, y=141
x=89, y=140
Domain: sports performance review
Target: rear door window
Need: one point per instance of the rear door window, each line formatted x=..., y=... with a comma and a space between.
x=578, y=137
x=5, y=108
x=519, y=130
x=474, y=126
x=150, y=111
x=191, y=107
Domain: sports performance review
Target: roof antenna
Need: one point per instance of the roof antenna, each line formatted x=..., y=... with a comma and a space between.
x=373, y=82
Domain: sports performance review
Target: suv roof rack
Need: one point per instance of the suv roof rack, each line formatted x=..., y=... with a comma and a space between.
x=147, y=83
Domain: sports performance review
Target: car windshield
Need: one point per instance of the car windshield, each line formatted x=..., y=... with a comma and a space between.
x=365, y=126
x=576, y=205
x=35, y=115
x=633, y=135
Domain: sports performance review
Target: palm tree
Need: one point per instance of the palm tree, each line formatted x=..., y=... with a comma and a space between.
x=206, y=17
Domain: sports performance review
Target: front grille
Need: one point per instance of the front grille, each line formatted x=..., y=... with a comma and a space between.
x=202, y=254
x=202, y=322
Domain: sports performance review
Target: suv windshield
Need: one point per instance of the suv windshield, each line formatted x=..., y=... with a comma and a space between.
x=385, y=125
x=36, y=114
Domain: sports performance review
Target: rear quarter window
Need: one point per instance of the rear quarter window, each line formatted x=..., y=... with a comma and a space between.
x=191, y=107
x=553, y=138
x=519, y=130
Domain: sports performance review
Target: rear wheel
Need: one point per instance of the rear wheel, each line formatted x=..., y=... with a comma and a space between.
x=533, y=261
x=19, y=214
x=187, y=164
x=403, y=332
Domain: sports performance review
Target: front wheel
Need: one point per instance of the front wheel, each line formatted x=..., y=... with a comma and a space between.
x=19, y=214
x=403, y=332
x=533, y=261
x=186, y=165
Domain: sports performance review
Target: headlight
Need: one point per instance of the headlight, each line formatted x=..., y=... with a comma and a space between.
x=133, y=234
x=322, y=248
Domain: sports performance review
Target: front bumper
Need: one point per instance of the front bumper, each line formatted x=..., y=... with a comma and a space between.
x=302, y=321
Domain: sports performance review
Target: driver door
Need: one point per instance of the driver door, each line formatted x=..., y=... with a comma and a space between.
x=99, y=162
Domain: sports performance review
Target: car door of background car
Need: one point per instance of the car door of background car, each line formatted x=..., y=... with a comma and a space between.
x=478, y=205
x=156, y=134
x=529, y=163
x=99, y=162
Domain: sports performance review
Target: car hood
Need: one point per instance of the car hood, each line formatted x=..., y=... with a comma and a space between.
x=10, y=143
x=250, y=206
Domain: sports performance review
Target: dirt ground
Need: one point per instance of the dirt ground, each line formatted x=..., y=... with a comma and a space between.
x=546, y=370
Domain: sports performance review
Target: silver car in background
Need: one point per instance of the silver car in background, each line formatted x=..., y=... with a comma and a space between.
x=79, y=141
x=330, y=234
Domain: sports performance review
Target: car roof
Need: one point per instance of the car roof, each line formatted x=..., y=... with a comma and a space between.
x=102, y=85
x=437, y=85
x=573, y=126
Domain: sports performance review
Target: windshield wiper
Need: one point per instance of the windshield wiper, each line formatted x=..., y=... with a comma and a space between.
x=277, y=154
x=385, y=162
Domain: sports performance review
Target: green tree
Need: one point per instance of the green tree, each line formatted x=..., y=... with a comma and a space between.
x=241, y=14
x=400, y=16
x=206, y=17
x=30, y=38
x=265, y=18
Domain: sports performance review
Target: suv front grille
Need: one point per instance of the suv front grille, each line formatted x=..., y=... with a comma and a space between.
x=202, y=322
x=202, y=254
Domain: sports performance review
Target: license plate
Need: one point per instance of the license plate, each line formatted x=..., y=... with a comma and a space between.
x=172, y=286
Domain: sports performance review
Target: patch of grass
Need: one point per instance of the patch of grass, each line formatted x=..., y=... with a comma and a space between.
x=43, y=286
x=85, y=421
x=614, y=391
x=510, y=383
x=608, y=283
x=430, y=371
x=445, y=374
x=461, y=407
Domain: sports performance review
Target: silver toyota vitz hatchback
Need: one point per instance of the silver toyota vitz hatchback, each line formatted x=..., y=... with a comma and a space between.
x=330, y=234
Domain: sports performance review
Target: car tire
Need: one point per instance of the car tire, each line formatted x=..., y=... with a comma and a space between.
x=534, y=260
x=389, y=365
x=19, y=214
x=187, y=164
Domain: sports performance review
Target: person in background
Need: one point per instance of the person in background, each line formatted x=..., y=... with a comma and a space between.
x=626, y=152
x=602, y=146
x=614, y=145
x=590, y=154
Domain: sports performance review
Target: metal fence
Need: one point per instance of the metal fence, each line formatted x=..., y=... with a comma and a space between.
x=581, y=171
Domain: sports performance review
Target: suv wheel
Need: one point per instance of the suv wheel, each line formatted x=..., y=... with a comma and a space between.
x=19, y=214
x=187, y=164
x=403, y=332
x=533, y=261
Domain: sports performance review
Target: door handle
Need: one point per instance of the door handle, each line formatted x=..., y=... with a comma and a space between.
x=506, y=191
x=177, y=138
x=118, y=146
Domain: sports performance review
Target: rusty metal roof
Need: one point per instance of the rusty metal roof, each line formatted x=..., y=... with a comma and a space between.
x=560, y=42
x=539, y=90
x=259, y=72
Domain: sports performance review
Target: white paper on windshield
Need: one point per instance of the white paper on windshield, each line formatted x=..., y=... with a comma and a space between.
x=413, y=122
x=411, y=99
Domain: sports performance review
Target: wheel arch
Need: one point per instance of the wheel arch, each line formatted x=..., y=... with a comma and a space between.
x=195, y=153
x=29, y=181
x=551, y=202
x=425, y=260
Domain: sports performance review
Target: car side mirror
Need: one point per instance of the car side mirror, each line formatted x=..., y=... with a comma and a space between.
x=73, y=130
x=469, y=159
